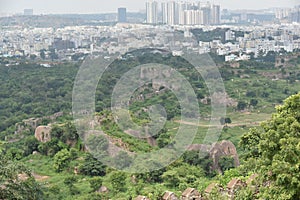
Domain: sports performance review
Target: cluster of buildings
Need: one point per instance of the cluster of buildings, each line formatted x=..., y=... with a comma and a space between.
x=259, y=40
x=69, y=42
x=290, y=14
x=182, y=13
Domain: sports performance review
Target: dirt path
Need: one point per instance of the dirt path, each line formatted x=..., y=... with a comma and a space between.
x=39, y=177
x=228, y=125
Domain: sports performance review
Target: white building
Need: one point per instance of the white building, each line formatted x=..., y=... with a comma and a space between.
x=215, y=14
x=152, y=12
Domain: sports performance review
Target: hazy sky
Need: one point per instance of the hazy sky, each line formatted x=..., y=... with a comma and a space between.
x=100, y=6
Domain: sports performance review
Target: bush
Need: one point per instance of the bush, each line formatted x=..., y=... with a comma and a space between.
x=95, y=183
x=61, y=160
x=92, y=167
x=241, y=105
x=226, y=163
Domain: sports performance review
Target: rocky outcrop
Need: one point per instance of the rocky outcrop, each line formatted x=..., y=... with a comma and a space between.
x=191, y=193
x=42, y=133
x=221, y=149
x=150, y=140
x=216, y=151
x=221, y=98
x=103, y=189
x=115, y=145
x=32, y=123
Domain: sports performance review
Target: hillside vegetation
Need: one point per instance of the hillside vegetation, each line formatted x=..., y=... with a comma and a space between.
x=62, y=168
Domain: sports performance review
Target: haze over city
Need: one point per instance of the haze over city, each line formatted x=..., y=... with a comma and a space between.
x=101, y=6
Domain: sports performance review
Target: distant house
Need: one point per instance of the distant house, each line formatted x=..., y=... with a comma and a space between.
x=169, y=196
x=230, y=57
x=191, y=194
x=233, y=186
x=141, y=198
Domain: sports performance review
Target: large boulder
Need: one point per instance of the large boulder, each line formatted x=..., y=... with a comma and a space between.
x=42, y=133
x=221, y=149
x=216, y=151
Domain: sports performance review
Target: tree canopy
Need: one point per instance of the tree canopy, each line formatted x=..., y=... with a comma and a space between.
x=274, y=152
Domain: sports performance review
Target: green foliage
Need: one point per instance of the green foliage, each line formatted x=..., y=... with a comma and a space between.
x=66, y=133
x=123, y=160
x=74, y=153
x=184, y=174
x=266, y=148
x=226, y=163
x=53, y=192
x=163, y=140
x=245, y=194
x=92, y=167
x=70, y=132
x=69, y=182
x=29, y=90
x=96, y=183
x=31, y=144
x=228, y=176
x=253, y=102
x=275, y=151
x=52, y=147
x=225, y=120
x=118, y=181
x=61, y=160
x=241, y=105
x=97, y=143
x=208, y=36
x=56, y=131
x=15, y=153
x=198, y=159
x=15, y=187
x=171, y=178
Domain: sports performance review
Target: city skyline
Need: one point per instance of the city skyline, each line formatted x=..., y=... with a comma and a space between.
x=99, y=6
x=183, y=13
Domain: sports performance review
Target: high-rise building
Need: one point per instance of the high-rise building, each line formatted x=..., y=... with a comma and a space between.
x=122, y=15
x=171, y=7
x=152, y=12
x=164, y=12
x=206, y=15
x=186, y=13
x=282, y=13
x=28, y=12
x=182, y=7
x=295, y=14
x=170, y=12
x=215, y=14
x=193, y=17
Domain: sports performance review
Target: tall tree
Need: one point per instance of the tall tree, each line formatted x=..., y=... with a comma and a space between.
x=274, y=152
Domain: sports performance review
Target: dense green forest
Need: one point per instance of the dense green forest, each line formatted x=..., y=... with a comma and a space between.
x=30, y=90
x=62, y=168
